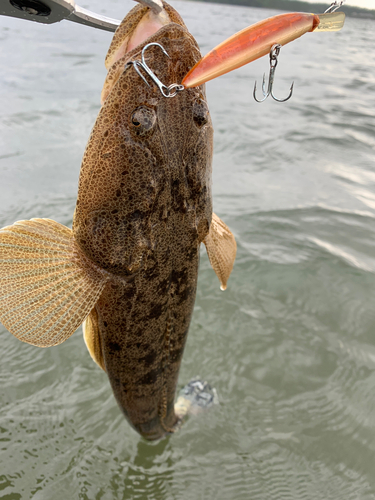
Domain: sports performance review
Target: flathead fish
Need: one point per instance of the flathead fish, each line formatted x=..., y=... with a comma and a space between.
x=128, y=268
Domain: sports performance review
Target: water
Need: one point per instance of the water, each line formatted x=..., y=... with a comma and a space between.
x=290, y=346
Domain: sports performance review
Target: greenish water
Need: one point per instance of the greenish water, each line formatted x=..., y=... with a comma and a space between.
x=290, y=346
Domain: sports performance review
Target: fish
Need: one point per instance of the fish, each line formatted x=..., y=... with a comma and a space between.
x=128, y=268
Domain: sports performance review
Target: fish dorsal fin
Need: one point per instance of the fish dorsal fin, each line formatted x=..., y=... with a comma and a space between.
x=221, y=249
x=92, y=338
x=47, y=287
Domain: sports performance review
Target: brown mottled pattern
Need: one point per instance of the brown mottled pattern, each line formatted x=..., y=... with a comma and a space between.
x=144, y=206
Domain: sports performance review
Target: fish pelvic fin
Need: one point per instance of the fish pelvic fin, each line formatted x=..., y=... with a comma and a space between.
x=47, y=286
x=92, y=339
x=221, y=249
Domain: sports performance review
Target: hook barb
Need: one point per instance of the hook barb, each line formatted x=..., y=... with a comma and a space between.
x=136, y=64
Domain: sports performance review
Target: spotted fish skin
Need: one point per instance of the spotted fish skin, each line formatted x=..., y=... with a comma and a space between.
x=144, y=206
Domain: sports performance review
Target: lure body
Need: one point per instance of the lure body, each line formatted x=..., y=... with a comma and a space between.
x=256, y=41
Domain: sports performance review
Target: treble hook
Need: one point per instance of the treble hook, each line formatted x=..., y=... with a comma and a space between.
x=336, y=4
x=275, y=51
x=170, y=91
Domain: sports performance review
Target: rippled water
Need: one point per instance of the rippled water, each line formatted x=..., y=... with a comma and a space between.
x=290, y=346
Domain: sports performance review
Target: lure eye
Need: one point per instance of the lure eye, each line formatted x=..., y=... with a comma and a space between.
x=143, y=120
x=200, y=112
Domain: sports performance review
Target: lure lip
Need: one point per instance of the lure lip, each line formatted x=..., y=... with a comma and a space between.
x=256, y=41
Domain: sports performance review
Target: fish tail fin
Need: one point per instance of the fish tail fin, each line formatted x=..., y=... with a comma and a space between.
x=47, y=287
x=221, y=249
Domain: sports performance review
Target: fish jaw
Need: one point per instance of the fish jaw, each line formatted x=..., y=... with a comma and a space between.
x=148, y=26
x=155, y=5
x=140, y=23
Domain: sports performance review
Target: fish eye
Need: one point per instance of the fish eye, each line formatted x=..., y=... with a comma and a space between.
x=200, y=112
x=143, y=120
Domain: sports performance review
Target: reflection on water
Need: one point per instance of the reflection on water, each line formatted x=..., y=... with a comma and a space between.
x=290, y=345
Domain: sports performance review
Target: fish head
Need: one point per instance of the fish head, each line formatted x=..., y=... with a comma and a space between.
x=148, y=157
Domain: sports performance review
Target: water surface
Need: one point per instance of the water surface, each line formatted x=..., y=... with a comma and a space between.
x=290, y=346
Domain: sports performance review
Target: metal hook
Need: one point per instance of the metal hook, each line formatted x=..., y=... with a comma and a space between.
x=170, y=91
x=275, y=51
x=334, y=6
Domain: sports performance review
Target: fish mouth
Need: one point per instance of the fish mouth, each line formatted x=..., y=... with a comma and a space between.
x=150, y=24
x=141, y=23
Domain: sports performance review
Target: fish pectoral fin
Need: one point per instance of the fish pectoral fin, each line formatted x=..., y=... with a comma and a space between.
x=47, y=287
x=221, y=249
x=92, y=339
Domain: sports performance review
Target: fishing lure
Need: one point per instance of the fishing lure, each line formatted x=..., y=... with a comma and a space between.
x=256, y=41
